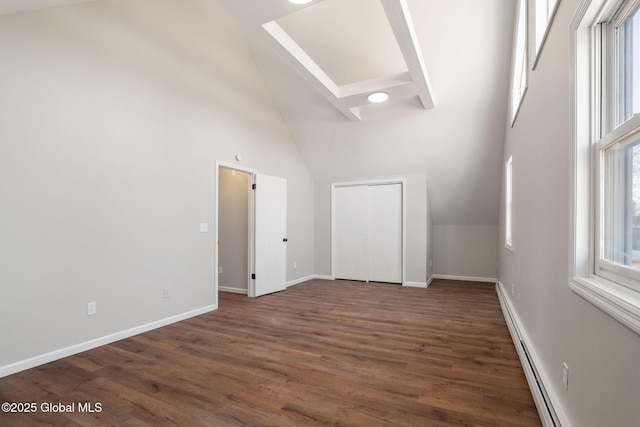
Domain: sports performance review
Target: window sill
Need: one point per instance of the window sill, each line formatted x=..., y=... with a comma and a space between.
x=621, y=303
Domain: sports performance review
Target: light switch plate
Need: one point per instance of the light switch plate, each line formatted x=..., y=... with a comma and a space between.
x=204, y=227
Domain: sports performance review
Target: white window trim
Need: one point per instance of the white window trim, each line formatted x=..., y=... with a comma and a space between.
x=508, y=202
x=618, y=301
x=518, y=93
x=537, y=50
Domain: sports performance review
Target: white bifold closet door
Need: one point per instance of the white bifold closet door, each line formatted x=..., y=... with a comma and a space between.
x=368, y=233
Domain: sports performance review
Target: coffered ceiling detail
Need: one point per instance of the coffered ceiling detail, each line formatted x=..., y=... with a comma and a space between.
x=303, y=35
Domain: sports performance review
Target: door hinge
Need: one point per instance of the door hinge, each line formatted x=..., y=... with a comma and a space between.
x=253, y=186
x=253, y=277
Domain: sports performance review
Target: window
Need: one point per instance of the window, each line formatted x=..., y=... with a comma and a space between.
x=617, y=147
x=606, y=190
x=626, y=64
x=508, y=223
x=519, y=70
x=544, y=13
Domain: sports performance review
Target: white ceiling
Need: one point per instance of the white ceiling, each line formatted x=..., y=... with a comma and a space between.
x=463, y=47
x=12, y=6
x=357, y=31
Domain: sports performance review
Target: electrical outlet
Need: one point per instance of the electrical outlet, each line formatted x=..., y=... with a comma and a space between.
x=219, y=269
x=565, y=375
x=513, y=289
x=295, y=265
x=430, y=263
x=166, y=292
x=91, y=309
x=204, y=227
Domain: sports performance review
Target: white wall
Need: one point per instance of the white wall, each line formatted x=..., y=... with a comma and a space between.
x=429, y=257
x=112, y=116
x=417, y=220
x=233, y=229
x=465, y=251
x=602, y=354
x=417, y=229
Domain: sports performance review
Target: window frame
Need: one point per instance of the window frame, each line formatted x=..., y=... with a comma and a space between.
x=538, y=41
x=508, y=202
x=609, y=270
x=591, y=129
x=609, y=133
x=520, y=60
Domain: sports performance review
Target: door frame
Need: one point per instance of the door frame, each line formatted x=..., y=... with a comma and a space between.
x=367, y=182
x=251, y=243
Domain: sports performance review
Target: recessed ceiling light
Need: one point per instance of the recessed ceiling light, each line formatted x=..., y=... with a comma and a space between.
x=300, y=1
x=378, y=97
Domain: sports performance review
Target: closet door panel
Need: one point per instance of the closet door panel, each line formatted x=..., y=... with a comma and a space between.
x=384, y=232
x=351, y=233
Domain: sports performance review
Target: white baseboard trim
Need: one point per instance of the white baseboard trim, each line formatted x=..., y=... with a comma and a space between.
x=307, y=278
x=548, y=405
x=97, y=342
x=415, y=284
x=232, y=290
x=300, y=280
x=465, y=278
x=430, y=280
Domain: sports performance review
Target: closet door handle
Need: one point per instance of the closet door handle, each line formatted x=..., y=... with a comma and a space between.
x=285, y=240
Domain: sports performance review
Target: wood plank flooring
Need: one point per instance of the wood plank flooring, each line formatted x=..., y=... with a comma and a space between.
x=320, y=353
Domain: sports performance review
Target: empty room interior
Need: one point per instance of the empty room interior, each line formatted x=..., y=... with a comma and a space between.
x=320, y=212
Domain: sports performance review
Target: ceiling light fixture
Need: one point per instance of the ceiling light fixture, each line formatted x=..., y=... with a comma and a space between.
x=300, y=1
x=378, y=97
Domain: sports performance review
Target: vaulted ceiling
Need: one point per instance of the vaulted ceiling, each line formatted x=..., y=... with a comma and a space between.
x=465, y=49
x=444, y=63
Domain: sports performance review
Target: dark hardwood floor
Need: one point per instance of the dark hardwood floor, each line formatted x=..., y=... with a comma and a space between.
x=319, y=353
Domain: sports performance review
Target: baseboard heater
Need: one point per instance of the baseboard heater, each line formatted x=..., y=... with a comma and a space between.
x=542, y=400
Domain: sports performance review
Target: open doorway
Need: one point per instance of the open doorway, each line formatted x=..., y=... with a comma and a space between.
x=234, y=188
x=250, y=227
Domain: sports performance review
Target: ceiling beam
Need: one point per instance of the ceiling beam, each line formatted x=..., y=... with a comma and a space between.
x=400, y=20
x=298, y=59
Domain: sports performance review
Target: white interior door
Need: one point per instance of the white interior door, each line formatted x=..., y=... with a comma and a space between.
x=350, y=222
x=385, y=233
x=270, y=235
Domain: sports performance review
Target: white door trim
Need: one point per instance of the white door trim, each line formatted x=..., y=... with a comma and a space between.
x=251, y=243
x=381, y=181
